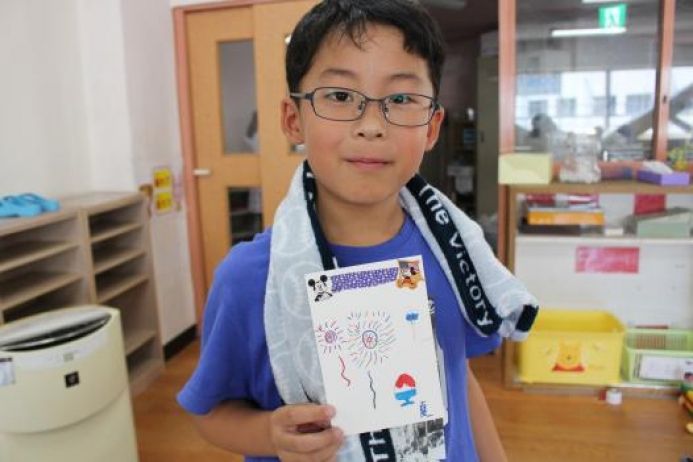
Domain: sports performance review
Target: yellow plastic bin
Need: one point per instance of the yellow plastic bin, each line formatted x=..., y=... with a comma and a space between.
x=572, y=347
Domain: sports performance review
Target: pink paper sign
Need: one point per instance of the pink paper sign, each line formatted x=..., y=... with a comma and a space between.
x=607, y=259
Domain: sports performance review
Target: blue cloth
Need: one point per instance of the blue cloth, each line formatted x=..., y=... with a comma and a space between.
x=234, y=362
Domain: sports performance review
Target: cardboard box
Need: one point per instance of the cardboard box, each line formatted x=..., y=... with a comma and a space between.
x=520, y=168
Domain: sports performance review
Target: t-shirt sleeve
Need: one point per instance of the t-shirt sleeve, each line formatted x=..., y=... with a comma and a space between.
x=476, y=345
x=223, y=371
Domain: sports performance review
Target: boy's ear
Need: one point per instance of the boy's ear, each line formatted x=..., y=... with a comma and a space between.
x=291, y=121
x=434, y=128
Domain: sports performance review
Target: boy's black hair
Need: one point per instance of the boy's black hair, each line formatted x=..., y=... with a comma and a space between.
x=349, y=18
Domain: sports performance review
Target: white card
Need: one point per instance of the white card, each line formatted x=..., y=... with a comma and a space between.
x=661, y=367
x=376, y=345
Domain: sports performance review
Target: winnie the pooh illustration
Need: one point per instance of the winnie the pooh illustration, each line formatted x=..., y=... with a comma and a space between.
x=569, y=358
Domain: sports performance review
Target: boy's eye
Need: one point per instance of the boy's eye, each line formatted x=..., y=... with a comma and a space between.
x=340, y=96
x=401, y=98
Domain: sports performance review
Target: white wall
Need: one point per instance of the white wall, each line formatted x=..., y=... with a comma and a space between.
x=155, y=136
x=88, y=102
x=108, y=125
x=43, y=142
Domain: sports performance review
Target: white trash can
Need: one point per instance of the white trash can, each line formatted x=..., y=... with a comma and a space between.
x=64, y=393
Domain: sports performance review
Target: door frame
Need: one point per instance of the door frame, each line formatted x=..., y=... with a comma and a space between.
x=185, y=115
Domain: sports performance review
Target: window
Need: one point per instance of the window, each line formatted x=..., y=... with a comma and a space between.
x=566, y=107
x=538, y=107
x=599, y=107
x=680, y=128
x=585, y=79
x=637, y=104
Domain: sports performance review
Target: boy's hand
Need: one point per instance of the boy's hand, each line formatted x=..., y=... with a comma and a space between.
x=302, y=433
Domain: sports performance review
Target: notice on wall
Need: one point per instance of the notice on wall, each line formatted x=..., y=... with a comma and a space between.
x=607, y=259
x=163, y=200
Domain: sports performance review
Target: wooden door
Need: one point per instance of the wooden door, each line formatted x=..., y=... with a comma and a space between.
x=242, y=161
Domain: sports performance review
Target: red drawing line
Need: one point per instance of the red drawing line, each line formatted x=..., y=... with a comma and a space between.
x=343, y=369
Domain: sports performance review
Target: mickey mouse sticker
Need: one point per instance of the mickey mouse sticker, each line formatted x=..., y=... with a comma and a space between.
x=321, y=288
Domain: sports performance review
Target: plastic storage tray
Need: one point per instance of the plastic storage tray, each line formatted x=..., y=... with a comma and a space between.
x=655, y=356
x=572, y=347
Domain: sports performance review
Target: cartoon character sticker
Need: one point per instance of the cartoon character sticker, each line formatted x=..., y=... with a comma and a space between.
x=321, y=288
x=409, y=274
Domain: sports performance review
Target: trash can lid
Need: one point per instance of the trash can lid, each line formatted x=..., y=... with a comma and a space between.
x=46, y=326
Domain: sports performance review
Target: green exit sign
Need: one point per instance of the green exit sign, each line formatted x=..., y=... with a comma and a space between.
x=613, y=16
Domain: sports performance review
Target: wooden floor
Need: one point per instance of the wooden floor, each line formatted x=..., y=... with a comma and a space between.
x=533, y=427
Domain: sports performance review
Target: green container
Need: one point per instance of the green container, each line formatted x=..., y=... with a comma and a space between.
x=664, y=347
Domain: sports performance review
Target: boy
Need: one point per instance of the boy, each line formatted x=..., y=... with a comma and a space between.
x=363, y=78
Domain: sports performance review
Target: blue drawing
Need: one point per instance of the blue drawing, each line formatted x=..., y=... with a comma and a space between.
x=423, y=409
x=412, y=317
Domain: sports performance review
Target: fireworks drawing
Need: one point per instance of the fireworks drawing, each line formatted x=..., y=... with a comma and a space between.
x=330, y=337
x=370, y=337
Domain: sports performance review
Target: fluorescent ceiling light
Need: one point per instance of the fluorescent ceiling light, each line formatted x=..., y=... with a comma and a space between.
x=587, y=32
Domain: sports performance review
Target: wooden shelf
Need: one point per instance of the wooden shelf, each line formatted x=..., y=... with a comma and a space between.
x=244, y=212
x=17, y=225
x=135, y=339
x=605, y=187
x=243, y=234
x=110, y=257
x=32, y=285
x=114, y=285
x=598, y=239
x=23, y=253
x=547, y=266
x=107, y=230
x=95, y=250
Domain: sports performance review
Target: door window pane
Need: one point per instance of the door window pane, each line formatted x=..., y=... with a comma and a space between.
x=575, y=73
x=238, y=99
x=245, y=213
x=680, y=129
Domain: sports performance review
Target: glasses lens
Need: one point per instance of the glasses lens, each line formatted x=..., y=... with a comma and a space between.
x=409, y=109
x=338, y=103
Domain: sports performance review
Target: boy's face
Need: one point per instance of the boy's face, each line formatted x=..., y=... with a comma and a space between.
x=363, y=162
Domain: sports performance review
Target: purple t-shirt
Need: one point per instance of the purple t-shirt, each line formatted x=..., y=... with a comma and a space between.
x=234, y=362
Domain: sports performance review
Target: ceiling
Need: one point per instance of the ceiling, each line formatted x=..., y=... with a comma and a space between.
x=474, y=19
x=479, y=16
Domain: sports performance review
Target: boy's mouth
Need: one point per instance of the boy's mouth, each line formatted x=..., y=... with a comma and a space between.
x=366, y=163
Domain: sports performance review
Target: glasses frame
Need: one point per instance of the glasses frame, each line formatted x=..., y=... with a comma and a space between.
x=310, y=96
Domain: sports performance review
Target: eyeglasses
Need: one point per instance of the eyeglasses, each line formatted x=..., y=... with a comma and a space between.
x=344, y=105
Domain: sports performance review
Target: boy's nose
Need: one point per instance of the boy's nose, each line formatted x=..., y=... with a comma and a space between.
x=372, y=123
